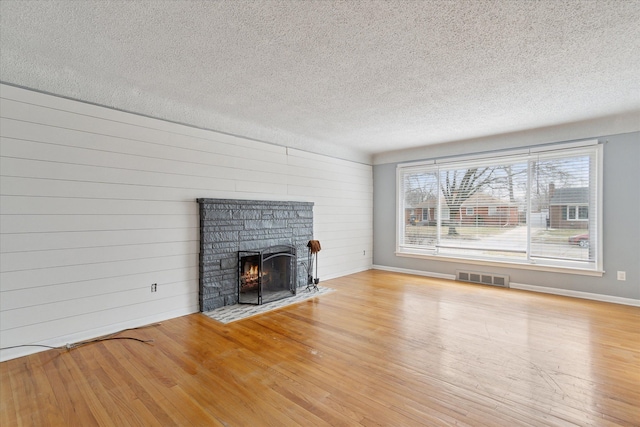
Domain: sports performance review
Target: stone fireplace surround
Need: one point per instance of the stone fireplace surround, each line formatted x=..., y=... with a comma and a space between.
x=229, y=225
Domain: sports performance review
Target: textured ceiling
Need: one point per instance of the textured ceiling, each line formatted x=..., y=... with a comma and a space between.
x=345, y=78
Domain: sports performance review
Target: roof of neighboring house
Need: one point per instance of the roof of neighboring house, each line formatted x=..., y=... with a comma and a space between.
x=483, y=199
x=431, y=202
x=571, y=195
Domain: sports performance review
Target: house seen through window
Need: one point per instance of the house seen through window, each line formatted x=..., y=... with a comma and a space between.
x=537, y=207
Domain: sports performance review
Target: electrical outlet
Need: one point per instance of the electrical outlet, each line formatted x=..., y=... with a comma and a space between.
x=622, y=275
x=154, y=287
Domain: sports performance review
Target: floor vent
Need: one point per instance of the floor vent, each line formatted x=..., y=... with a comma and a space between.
x=483, y=278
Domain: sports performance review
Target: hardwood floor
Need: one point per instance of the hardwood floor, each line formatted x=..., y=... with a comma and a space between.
x=386, y=349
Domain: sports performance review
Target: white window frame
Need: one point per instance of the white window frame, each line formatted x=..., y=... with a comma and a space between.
x=592, y=268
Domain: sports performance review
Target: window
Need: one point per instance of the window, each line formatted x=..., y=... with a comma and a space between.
x=444, y=213
x=533, y=207
x=576, y=213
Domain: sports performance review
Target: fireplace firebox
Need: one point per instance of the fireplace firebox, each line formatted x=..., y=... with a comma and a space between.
x=267, y=275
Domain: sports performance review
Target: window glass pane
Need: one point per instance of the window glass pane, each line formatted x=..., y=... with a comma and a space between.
x=420, y=201
x=583, y=212
x=486, y=205
x=561, y=189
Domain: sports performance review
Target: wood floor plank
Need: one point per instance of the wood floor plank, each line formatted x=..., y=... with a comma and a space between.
x=384, y=349
x=49, y=403
x=74, y=384
x=8, y=399
x=19, y=382
x=182, y=410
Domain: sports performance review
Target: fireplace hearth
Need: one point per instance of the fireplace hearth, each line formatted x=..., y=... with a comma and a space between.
x=267, y=275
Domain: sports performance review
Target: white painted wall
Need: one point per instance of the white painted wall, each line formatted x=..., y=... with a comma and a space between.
x=97, y=204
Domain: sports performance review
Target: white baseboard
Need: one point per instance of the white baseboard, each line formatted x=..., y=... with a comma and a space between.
x=344, y=273
x=415, y=272
x=576, y=294
x=524, y=287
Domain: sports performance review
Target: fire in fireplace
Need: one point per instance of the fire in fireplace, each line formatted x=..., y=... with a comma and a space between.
x=267, y=275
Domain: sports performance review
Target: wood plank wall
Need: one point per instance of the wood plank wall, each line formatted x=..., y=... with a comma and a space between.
x=98, y=204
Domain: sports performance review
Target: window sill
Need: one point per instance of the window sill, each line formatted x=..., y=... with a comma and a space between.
x=503, y=264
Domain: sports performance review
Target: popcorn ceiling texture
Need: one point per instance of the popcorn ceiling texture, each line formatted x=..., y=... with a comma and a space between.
x=344, y=78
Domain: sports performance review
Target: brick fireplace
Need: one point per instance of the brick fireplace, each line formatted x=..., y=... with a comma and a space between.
x=229, y=226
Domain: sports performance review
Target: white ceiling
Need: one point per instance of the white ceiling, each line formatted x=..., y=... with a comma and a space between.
x=344, y=78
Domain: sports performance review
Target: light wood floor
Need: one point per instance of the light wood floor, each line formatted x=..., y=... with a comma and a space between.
x=386, y=349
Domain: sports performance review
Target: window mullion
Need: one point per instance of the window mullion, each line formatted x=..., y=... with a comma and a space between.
x=439, y=210
x=529, y=206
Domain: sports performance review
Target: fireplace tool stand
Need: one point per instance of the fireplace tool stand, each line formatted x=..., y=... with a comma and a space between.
x=314, y=248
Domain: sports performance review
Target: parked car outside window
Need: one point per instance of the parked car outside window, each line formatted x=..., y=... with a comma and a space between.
x=580, y=239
